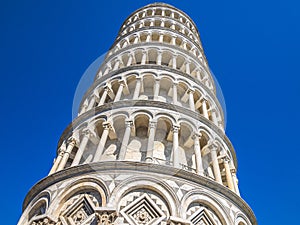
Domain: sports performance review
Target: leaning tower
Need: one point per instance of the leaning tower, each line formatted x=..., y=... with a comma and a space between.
x=148, y=146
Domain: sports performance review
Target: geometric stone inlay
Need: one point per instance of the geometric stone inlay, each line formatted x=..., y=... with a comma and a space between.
x=80, y=212
x=143, y=211
x=200, y=215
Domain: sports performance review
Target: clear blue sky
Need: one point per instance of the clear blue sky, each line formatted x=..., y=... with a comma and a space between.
x=252, y=47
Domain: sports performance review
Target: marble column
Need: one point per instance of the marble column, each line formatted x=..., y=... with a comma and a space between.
x=137, y=89
x=126, y=137
x=214, y=117
x=174, y=64
x=215, y=163
x=156, y=88
x=235, y=182
x=71, y=144
x=92, y=102
x=175, y=93
x=129, y=62
x=187, y=68
x=102, y=142
x=82, y=147
x=197, y=149
x=191, y=99
x=144, y=58
x=204, y=109
x=103, y=97
x=120, y=90
x=161, y=38
x=150, y=146
x=117, y=64
x=228, y=174
x=175, y=146
x=58, y=159
x=159, y=57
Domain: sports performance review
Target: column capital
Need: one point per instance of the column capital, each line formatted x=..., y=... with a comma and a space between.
x=190, y=90
x=122, y=82
x=175, y=128
x=152, y=124
x=72, y=141
x=196, y=135
x=128, y=123
x=213, y=145
x=106, y=125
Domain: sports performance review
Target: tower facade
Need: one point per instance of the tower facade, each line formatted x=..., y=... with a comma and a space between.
x=148, y=146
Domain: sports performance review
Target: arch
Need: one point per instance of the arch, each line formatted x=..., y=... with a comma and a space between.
x=241, y=219
x=208, y=200
x=156, y=185
x=84, y=184
x=39, y=205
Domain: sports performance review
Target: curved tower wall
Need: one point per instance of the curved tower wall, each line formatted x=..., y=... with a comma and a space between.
x=148, y=145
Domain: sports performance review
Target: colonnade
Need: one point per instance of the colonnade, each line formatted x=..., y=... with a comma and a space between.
x=160, y=36
x=179, y=138
x=149, y=87
x=161, y=23
x=162, y=13
x=162, y=57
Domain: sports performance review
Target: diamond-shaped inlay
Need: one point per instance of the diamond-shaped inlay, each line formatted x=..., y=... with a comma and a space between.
x=202, y=216
x=80, y=211
x=143, y=211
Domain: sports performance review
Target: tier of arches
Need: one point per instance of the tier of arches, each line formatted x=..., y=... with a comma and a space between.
x=158, y=56
x=143, y=137
x=88, y=199
x=160, y=36
x=160, y=23
x=162, y=12
x=148, y=86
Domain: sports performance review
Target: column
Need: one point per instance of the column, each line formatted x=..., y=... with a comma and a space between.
x=235, y=183
x=228, y=174
x=103, y=97
x=130, y=60
x=144, y=58
x=84, y=107
x=58, y=159
x=191, y=99
x=161, y=38
x=136, y=40
x=175, y=93
x=156, y=88
x=120, y=90
x=197, y=149
x=175, y=146
x=128, y=125
x=117, y=64
x=159, y=56
x=92, y=102
x=214, y=117
x=81, y=148
x=137, y=89
x=148, y=39
x=198, y=75
x=102, y=142
x=215, y=163
x=204, y=109
x=174, y=65
x=71, y=144
x=173, y=41
x=150, y=146
x=187, y=68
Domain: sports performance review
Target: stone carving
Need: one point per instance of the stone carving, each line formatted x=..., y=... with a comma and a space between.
x=106, y=217
x=44, y=221
x=143, y=211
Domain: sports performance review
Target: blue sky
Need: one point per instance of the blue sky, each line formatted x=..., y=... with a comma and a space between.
x=252, y=48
